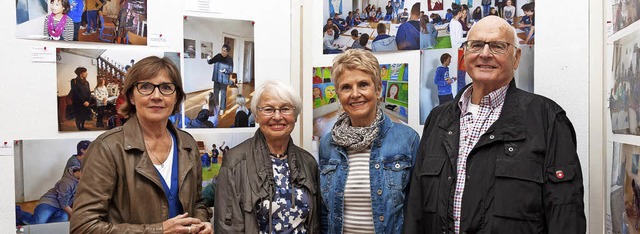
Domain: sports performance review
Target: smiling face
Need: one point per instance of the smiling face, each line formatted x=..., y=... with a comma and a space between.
x=156, y=107
x=56, y=7
x=276, y=126
x=485, y=68
x=358, y=96
x=330, y=91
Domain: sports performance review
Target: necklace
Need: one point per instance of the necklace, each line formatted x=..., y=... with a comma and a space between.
x=154, y=156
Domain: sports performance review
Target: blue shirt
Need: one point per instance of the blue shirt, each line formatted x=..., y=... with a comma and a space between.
x=393, y=156
x=444, y=88
x=408, y=36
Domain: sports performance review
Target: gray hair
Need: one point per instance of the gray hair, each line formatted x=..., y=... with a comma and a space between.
x=277, y=89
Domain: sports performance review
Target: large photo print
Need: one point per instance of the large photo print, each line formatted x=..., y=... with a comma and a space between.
x=112, y=21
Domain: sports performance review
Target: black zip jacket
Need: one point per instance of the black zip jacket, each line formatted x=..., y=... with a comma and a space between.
x=523, y=175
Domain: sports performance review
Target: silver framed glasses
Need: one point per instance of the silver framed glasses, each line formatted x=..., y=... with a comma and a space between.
x=270, y=111
x=146, y=88
x=495, y=47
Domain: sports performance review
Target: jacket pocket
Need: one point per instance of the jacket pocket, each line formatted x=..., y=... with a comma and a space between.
x=396, y=171
x=560, y=189
x=429, y=176
x=518, y=188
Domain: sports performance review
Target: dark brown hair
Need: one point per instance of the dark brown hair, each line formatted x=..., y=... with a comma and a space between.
x=65, y=4
x=148, y=68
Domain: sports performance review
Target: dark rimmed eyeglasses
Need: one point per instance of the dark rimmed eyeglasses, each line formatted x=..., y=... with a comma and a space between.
x=269, y=111
x=495, y=47
x=146, y=88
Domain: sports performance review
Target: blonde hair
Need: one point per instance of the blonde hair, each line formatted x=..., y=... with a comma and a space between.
x=361, y=60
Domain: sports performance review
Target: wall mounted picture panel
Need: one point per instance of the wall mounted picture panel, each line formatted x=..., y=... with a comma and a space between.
x=394, y=97
x=90, y=82
x=114, y=21
x=625, y=13
x=220, y=85
x=624, y=95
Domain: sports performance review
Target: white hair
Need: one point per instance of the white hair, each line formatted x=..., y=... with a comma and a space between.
x=279, y=90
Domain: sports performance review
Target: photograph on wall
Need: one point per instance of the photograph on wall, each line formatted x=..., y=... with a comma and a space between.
x=626, y=201
x=447, y=26
x=206, y=49
x=615, y=190
x=220, y=86
x=113, y=21
x=624, y=93
x=90, y=85
x=189, y=48
x=443, y=74
x=394, y=96
x=624, y=13
x=212, y=149
x=47, y=173
x=376, y=25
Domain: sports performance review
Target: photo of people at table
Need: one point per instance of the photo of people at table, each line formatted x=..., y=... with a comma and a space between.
x=104, y=21
x=446, y=23
x=377, y=25
x=90, y=85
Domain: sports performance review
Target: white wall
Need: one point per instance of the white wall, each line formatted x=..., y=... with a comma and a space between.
x=28, y=92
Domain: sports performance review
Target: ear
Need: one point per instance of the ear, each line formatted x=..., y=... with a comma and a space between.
x=130, y=97
x=516, y=62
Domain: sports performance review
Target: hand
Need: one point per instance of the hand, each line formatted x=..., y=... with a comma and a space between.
x=85, y=103
x=449, y=81
x=181, y=224
x=205, y=228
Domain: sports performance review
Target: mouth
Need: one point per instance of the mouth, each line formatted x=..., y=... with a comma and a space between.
x=357, y=104
x=482, y=66
x=156, y=107
x=277, y=127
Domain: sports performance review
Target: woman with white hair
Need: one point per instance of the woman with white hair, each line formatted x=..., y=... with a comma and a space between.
x=267, y=184
x=366, y=160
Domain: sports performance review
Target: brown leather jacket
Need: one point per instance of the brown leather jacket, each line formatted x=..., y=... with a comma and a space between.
x=120, y=190
x=246, y=177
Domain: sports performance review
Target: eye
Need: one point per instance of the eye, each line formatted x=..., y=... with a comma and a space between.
x=146, y=86
x=363, y=84
x=345, y=87
x=477, y=45
x=498, y=46
x=166, y=87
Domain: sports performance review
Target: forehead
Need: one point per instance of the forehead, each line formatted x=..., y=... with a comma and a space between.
x=487, y=32
x=354, y=75
x=271, y=99
x=160, y=77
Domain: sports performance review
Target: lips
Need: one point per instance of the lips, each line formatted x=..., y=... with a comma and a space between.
x=277, y=127
x=357, y=104
x=486, y=66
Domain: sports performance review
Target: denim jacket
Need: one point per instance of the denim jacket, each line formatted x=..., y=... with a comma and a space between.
x=391, y=164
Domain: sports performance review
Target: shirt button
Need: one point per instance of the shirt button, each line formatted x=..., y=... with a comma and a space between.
x=510, y=149
x=491, y=137
x=377, y=166
x=450, y=132
x=381, y=218
x=397, y=165
x=379, y=192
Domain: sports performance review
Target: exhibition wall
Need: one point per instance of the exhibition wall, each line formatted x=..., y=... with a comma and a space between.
x=287, y=38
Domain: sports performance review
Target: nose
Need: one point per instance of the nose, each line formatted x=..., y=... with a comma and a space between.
x=486, y=51
x=277, y=115
x=156, y=93
x=356, y=93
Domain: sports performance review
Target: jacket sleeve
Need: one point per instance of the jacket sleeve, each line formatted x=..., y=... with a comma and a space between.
x=95, y=191
x=563, y=190
x=65, y=189
x=228, y=215
x=413, y=213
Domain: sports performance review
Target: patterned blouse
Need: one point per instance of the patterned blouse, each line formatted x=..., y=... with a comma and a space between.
x=286, y=216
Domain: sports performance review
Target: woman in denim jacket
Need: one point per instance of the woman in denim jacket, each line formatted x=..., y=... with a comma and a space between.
x=366, y=160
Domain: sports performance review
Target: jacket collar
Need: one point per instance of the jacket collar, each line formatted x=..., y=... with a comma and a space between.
x=509, y=125
x=133, y=140
x=262, y=180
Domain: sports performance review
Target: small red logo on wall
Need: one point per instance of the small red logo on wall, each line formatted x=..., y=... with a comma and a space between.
x=559, y=174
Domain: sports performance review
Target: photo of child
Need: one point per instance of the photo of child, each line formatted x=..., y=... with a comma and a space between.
x=58, y=25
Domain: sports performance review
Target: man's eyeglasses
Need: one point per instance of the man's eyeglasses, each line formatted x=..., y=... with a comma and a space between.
x=495, y=47
x=269, y=111
x=146, y=88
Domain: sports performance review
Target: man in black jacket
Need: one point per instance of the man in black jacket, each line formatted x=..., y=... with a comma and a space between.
x=497, y=159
